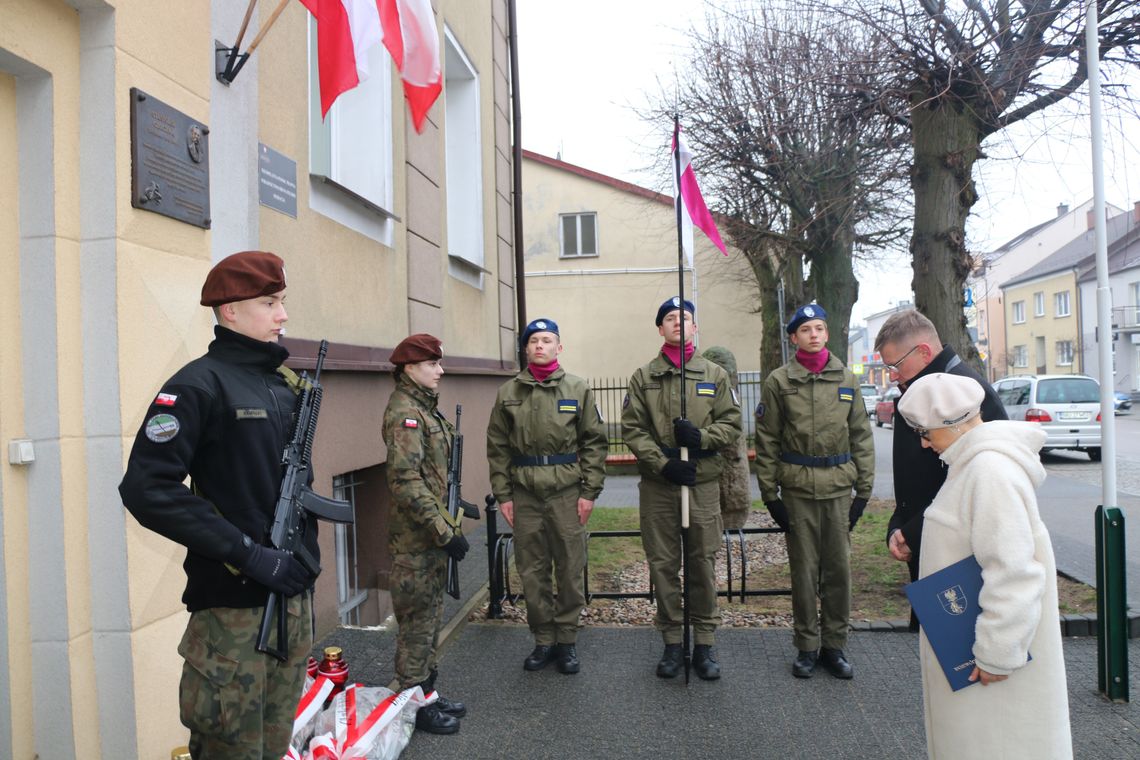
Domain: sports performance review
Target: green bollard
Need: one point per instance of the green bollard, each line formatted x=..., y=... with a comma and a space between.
x=1111, y=605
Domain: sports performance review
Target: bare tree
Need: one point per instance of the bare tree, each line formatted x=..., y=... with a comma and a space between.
x=959, y=72
x=773, y=105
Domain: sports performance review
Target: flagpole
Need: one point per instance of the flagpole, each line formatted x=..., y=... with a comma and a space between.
x=684, y=449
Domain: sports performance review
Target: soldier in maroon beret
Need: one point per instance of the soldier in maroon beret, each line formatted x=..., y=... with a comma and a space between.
x=224, y=420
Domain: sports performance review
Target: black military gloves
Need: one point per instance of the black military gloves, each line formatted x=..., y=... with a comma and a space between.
x=680, y=473
x=278, y=571
x=858, y=504
x=779, y=512
x=686, y=433
x=457, y=547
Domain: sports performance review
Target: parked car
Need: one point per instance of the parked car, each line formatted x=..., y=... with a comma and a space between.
x=885, y=409
x=870, y=397
x=1121, y=402
x=1066, y=406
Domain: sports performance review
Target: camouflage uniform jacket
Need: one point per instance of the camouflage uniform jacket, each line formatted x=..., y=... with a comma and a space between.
x=557, y=416
x=419, y=442
x=813, y=415
x=653, y=401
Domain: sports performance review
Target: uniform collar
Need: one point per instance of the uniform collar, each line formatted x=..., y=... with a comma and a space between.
x=799, y=372
x=426, y=398
x=234, y=348
x=661, y=365
x=525, y=377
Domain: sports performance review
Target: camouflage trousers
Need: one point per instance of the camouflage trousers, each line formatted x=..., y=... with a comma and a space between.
x=238, y=703
x=417, y=582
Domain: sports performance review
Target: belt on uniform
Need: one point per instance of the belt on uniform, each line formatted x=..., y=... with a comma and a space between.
x=693, y=453
x=834, y=460
x=544, y=460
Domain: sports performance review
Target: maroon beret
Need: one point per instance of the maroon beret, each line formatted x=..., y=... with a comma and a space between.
x=420, y=347
x=241, y=276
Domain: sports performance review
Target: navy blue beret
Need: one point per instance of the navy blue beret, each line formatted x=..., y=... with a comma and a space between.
x=805, y=313
x=673, y=304
x=539, y=325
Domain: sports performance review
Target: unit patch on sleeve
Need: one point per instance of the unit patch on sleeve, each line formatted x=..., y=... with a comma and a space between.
x=847, y=394
x=598, y=409
x=165, y=399
x=759, y=411
x=706, y=389
x=735, y=398
x=568, y=405
x=625, y=401
x=162, y=428
x=411, y=423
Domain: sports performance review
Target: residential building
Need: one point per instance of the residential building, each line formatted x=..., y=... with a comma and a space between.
x=1043, y=315
x=1010, y=260
x=109, y=108
x=601, y=257
x=874, y=370
x=1124, y=289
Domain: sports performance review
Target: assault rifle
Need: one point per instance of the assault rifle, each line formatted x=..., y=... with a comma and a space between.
x=295, y=499
x=455, y=500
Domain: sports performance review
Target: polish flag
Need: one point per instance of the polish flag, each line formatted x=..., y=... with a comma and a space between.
x=696, y=212
x=346, y=29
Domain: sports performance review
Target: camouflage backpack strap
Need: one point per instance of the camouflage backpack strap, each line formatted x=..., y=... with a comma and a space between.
x=297, y=383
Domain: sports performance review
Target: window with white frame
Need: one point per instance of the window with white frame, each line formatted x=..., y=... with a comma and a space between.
x=350, y=149
x=579, y=234
x=1132, y=311
x=1064, y=353
x=1061, y=304
x=1018, y=312
x=1039, y=303
x=1021, y=356
x=464, y=163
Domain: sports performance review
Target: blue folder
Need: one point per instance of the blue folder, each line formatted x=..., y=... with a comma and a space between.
x=946, y=603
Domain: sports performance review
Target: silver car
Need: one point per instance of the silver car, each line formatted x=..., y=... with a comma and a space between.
x=1066, y=406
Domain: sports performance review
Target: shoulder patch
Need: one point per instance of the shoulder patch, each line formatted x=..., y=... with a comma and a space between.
x=165, y=399
x=625, y=402
x=598, y=410
x=846, y=394
x=410, y=422
x=735, y=398
x=162, y=428
x=760, y=411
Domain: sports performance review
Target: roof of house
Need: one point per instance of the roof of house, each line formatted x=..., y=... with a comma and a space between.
x=1076, y=254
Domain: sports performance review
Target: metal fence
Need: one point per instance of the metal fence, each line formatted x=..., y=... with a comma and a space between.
x=609, y=394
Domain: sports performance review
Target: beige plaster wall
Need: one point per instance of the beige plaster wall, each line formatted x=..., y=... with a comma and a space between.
x=1051, y=327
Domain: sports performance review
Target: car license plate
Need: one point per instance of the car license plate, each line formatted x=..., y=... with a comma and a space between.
x=1072, y=415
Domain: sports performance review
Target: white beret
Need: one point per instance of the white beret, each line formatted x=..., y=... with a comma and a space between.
x=941, y=400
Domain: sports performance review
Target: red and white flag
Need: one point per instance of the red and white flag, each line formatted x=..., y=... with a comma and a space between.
x=347, y=29
x=696, y=212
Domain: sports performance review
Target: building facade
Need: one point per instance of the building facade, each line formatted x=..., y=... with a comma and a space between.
x=385, y=232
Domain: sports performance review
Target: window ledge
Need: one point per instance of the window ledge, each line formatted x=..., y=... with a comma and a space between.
x=467, y=264
x=358, y=198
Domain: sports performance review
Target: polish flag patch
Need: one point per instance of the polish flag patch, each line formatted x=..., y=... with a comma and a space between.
x=410, y=423
x=165, y=399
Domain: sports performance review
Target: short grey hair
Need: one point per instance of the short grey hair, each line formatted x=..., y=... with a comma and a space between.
x=907, y=327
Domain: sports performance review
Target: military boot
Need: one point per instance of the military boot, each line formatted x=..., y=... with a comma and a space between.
x=566, y=656
x=836, y=663
x=705, y=663
x=445, y=705
x=435, y=721
x=804, y=665
x=539, y=658
x=671, y=661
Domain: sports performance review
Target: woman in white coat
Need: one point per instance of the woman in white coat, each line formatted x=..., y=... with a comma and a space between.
x=988, y=507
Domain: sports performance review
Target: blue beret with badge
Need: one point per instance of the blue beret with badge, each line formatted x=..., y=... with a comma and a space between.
x=539, y=325
x=673, y=304
x=804, y=314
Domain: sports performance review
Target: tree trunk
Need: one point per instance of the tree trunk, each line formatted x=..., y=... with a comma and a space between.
x=832, y=282
x=946, y=139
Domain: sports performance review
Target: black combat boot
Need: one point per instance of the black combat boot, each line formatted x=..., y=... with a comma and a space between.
x=836, y=663
x=671, y=661
x=567, y=657
x=539, y=658
x=705, y=663
x=445, y=705
x=435, y=721
x=804, y=665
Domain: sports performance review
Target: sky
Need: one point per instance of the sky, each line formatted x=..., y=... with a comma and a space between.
x=585, y=68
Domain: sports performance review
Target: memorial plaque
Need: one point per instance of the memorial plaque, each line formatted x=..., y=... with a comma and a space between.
x=276, y=180
x=170, y=161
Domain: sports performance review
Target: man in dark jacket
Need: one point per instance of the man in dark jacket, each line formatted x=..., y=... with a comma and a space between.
x=910, y=348
x=224, y=419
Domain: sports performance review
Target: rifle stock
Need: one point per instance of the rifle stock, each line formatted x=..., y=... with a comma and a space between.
x=294, y=499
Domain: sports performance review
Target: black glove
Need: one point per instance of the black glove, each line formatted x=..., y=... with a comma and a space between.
x=457, y=547
x=686, y=433
x=680, y=473
x=278, y=571
x=779, y=512
x=858, y=504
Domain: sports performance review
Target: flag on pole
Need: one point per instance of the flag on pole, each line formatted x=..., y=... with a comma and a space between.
x=347, y=29
x=689, y=193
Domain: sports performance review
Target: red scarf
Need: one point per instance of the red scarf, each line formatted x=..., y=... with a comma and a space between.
x=813, y=362
x=541, y=373
x=673, y=353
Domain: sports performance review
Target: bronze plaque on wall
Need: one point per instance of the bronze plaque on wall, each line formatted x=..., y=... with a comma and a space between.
x=170, y=161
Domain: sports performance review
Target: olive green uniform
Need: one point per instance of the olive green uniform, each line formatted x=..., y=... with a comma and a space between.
x=813, y=446
x=532, y=422
x=419, y=441
x=652, y=402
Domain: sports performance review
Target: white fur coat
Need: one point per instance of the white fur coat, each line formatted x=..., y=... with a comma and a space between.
x=988, y=508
